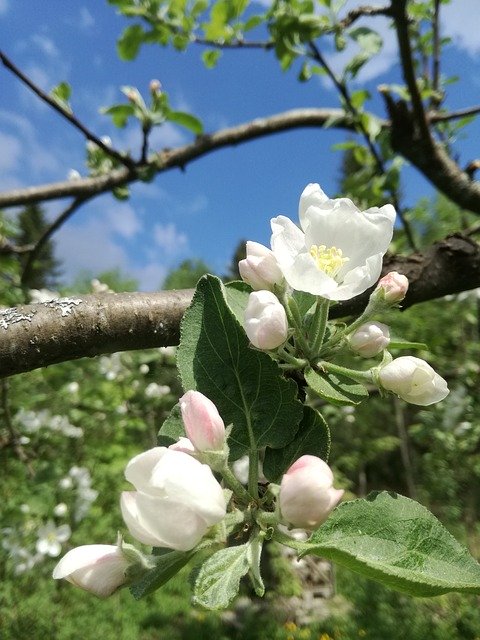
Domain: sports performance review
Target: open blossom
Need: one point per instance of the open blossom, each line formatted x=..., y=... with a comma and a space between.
x=370, y=339
x=260, y=269
x=98, y=568
x=203, y=424
x=177, y=499
x=413, y=380
x=307, y=495
x=266, y=322
x=51, y=538
x=337, y=253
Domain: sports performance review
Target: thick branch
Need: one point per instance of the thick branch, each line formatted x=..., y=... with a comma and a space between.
x=178, y=158
x=38, y=335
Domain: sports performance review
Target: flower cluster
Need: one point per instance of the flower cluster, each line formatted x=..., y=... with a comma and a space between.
x=334, y=255
x=178, y=502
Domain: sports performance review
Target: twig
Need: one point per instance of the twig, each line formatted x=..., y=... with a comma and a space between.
x=436, y=52
x=361, y=11
x=7, y=248
x=406, y=57
x=124, y=160
x=14, y=436
x=47, y=234
x=436, y=116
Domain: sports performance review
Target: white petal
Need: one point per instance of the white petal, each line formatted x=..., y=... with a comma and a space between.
x=140, y=468
x=287, y=240
x=358, y=280
x=132, y=518
x=304, y=275
x=311, y=195
x=81, y=557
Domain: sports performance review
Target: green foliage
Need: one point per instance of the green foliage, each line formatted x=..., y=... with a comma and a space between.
x=186, y=275
x=399, y=543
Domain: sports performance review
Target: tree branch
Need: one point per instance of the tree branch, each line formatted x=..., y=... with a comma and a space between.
x=178, y=158
x=33, y=336
x=68, y=115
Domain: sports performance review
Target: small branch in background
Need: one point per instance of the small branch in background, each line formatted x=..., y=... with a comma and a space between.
x=364, y=10
x=49, y=231
x=146, y=129
x=404, y=448
x=471, y=168
x=124, y=160
x=437, y=116
x=434, y=102
x=7, y=248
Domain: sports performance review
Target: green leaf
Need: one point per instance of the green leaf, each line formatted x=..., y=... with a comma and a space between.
x=236, y=295
x=399, y=343
x=219, y=577
x=312, y=438
x=335, y=388
x=61, y=94
x=304, y=300
x=121, y=193
x=186, y=120
x=168, y=564
x=211, y=57
x=119, y=113
x=245, y=384
x=172, y=428
x=129, y=42
x=398, y=542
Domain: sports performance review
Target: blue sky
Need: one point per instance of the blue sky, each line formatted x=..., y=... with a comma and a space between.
x=220, y=199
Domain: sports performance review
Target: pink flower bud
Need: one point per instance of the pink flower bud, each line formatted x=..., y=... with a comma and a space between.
x=155, y=86
x=203, y=424
x=266, y=322
x=98, y=568
x=307, y=495
x=260, y=269
x=413, y=380
x=370, y=339
x=394, y=285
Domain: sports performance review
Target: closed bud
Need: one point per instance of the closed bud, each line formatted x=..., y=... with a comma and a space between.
x=266, y=322
x=203, y=424
x=370, y=339
x=307, y=495
x=98, y=568
x=260, y=268
x=155, y=86
x=413, y=380
x=394, y=286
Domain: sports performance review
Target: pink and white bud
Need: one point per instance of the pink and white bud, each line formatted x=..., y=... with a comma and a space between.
x=370, y=339
x=266, y=322
x=413, y=380
x=155, y=86
x=307, y=496
x=260, y=268
x=98, y=568
x=203, y=424
x=394, y=285
x=177, y=499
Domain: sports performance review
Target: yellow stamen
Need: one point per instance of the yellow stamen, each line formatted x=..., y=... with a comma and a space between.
x=330, y=261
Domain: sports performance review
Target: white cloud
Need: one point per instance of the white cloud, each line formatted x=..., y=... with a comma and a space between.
x=86, y=19
x=150, y=276
x=11, y=152
x=169, y=239
x=123, y=219
x=460, y=21
x=3, y=7
x=46, y=45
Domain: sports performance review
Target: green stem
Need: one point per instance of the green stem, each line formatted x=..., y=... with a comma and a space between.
x=253, y=473
x=359, y=376
x=234, y=484
x=319, y=323
x=297, y=363
x=285, y=539
x=296, y=321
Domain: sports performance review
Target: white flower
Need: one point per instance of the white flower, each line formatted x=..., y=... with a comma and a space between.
x=144, y=369
x=338, y=251
x=65, y=483
x=60, y=510
x=98, y=568
x=176, y=502
x=154, y=390
x=203, y=424
x=266, y=322
x=370, y=339
x=51, y=538
x=260, y=269
x=168, y=352
x=306, y=494
x=73, y=387
x=73, y=174
x=413, y=380
x=42, y=295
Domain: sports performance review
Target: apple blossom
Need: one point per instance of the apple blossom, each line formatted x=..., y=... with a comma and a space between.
x=98, y=568
x=203, y=424
x=266, y=322
x=51, y=538
x=337, y=253
x=413, y=380
x=260, y=269
x=306, y=494
x=185, y=445
x=370, y=339
x=177, y=499
x=394, y=286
